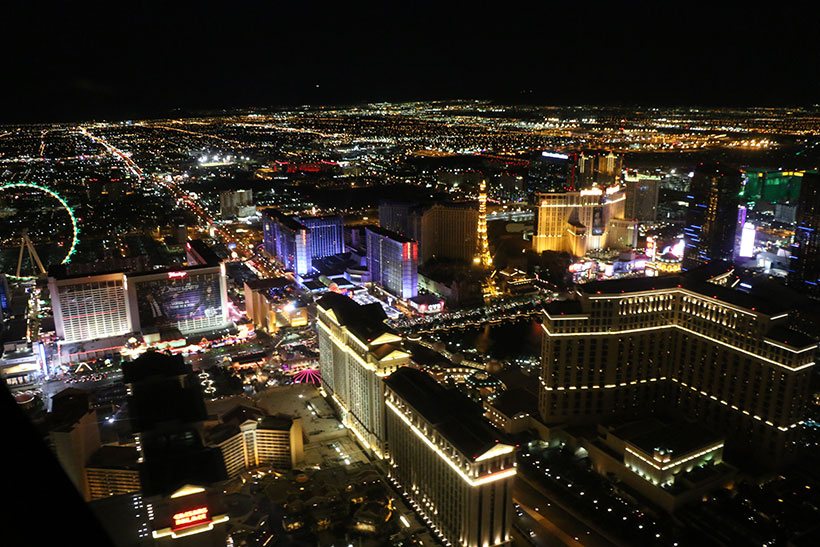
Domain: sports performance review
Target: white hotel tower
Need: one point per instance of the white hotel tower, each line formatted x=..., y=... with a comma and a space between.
x=454, y=467
x=356, y=351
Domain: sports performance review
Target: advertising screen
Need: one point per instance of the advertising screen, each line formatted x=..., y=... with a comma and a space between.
x=598, y=221
x=181, y=296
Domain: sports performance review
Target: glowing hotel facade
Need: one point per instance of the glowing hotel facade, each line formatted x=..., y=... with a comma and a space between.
x=453, y=467
x=577, y=222
x=683, y=343
x=356, y=351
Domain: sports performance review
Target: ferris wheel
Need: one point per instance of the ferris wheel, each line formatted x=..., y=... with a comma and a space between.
x=25, y=241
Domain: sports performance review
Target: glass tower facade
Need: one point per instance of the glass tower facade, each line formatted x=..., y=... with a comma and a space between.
x=804, y=270
x=711, y=216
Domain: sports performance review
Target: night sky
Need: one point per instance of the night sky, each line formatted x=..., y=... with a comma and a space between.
x=74, y=62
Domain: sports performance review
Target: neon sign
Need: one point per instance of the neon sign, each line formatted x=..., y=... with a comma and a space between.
x=177, y=275
x=189, y=518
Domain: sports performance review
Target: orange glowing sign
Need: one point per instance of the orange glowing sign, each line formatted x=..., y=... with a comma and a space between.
x=192, y=517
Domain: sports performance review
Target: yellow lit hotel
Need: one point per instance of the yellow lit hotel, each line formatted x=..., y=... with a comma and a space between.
x=681, y=344
x=577, y=222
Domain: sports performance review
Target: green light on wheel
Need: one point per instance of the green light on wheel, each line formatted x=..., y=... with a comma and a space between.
x=75, y=229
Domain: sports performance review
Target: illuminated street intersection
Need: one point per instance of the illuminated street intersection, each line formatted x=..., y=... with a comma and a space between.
x=396, y=312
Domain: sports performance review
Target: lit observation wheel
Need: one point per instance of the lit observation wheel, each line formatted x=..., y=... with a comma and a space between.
x=75, y=229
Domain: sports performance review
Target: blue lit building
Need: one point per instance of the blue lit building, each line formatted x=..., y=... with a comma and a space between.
x=804, y=267
x=5, y=298
x=393, y=261
x=326, y=235
x=296, y=242
x=712, y=215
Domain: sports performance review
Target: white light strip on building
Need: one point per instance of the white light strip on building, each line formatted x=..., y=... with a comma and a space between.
x=730, y=346
x=492, y=477
x=677, y=462
x=776, y=344
x=604, y=333
x=569, y=317
x=607, y=386
x=671, y=290
x=583, y=203
x=662, y=327
x=734, y=407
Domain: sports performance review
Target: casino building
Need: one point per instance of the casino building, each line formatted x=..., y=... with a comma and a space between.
x=94, y=314
x=682, y=344
x=577, y=222
x=393, y=261
x=356, y=351
x=297, y=241
x=454, y=468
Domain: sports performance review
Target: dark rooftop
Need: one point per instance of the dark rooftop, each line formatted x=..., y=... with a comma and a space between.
x=680, y=438
x=395, y=236
x=67, y=408
x=220, y=433
x=152, y=364
x=516, y=401
x=631, y=284
x=452, y=414
x=563, y=307
x=695, y=280
x=279, y=423
x=114, y=457
x=241, y=414
x=284, y=219
x=204, y=252
x=790, y=337
x=366, y=321
x=308, y=220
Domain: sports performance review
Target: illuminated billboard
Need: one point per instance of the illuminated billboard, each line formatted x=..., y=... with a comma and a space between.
x=598, y=221
x=747, y=240
x=190, y=300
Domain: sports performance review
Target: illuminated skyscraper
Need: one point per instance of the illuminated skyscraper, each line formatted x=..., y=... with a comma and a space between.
x=454, y=467
x=297, y=241
x=449, y=231
x=577, y=222
x=393, y=261
x=483, y=256
x=356, y=350
x=682, y=344
x=712, y=215
x=641, y=197
x=804, y=271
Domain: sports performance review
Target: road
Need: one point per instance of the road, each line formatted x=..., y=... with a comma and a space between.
x=554, y=523
x=245, y=248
